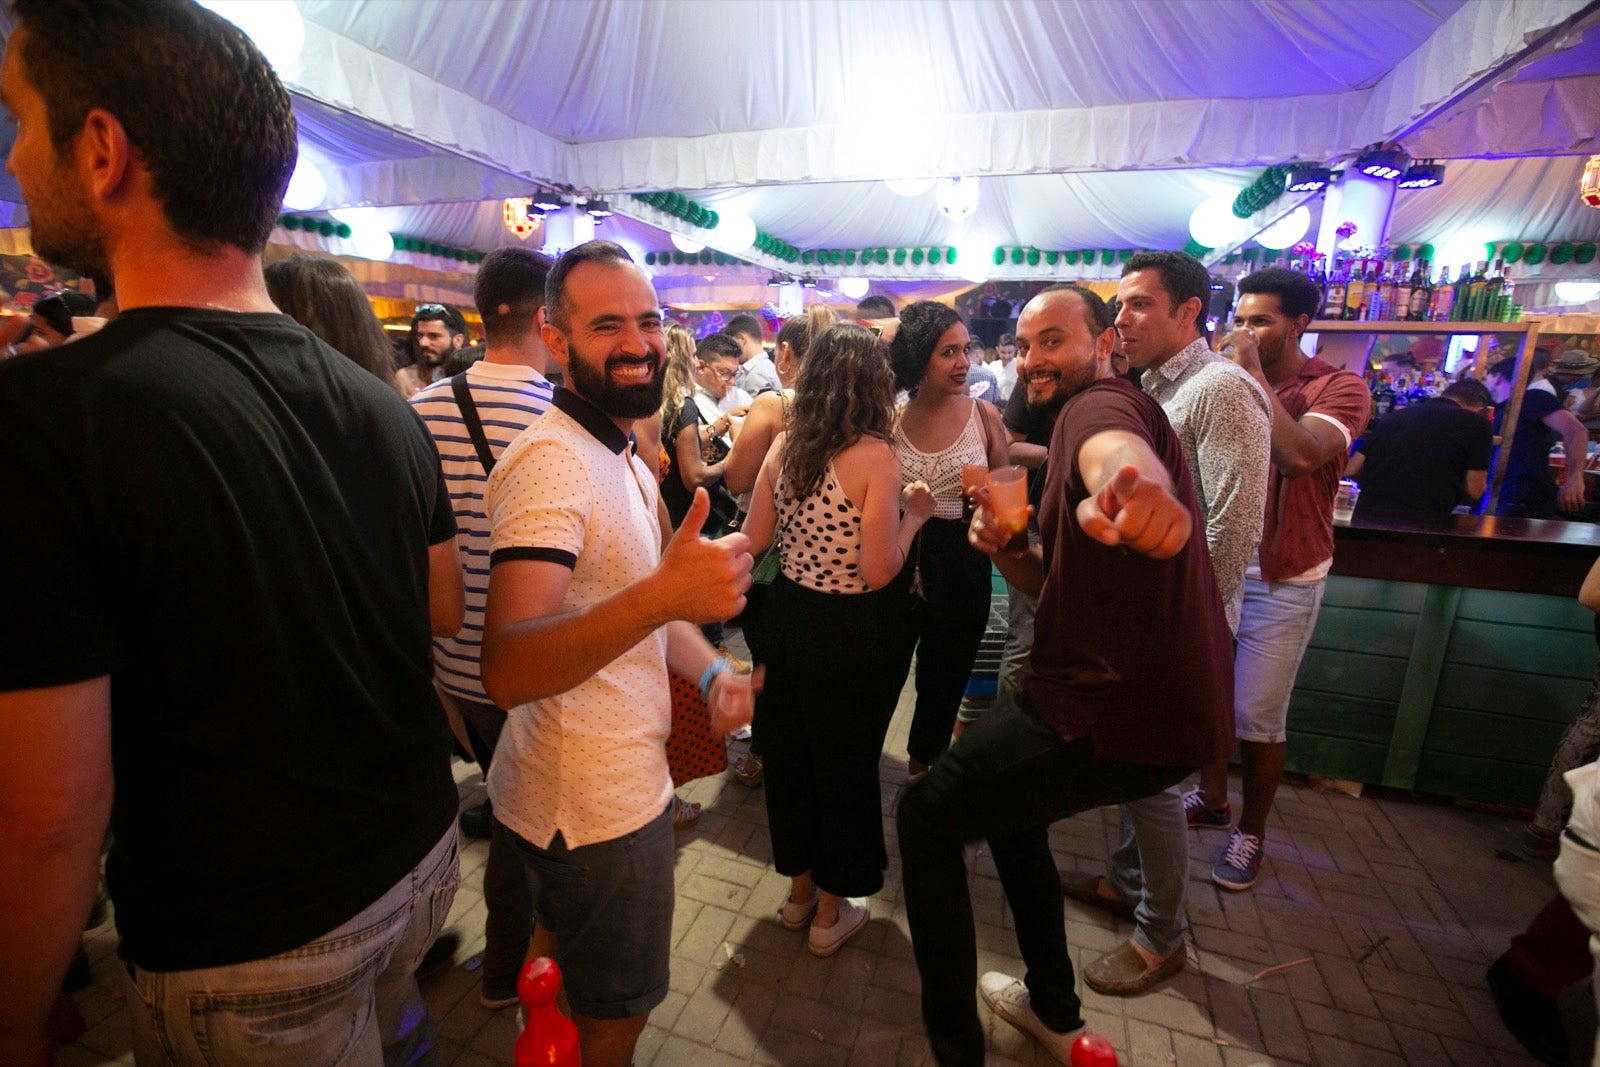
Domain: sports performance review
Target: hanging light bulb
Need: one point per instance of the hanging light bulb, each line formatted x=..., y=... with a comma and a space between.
x=307, y=187
x=684, y=245
x=735, y=232
x=1286, y=231
x=1214, y=224
x=957, y=197
x=276, y=26
x=854, y=288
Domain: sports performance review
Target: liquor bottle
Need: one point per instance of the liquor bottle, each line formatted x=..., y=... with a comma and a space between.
x=1421, y=292
x=1508, y=294
x=1380, y=293
x=1499, y=299
x=1355, y=289
x=1478, y=294
x=1333, y=298
x=1442, y=306
x=1385, y=397
x=1400, y=302
x=1461, y=289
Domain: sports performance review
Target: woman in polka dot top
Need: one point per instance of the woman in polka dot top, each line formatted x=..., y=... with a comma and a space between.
x=830, y=491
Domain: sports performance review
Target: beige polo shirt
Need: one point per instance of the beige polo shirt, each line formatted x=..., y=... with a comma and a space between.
x=590, y=762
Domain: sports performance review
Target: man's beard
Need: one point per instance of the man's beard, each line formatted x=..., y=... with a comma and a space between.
x=63, y=235
x=618, y=401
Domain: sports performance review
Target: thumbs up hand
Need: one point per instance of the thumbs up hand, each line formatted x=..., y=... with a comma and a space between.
x=1137, y=512
x=703, y=581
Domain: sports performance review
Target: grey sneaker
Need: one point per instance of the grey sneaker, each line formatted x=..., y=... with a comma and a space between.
x=1008, y=998
x=1240, y=862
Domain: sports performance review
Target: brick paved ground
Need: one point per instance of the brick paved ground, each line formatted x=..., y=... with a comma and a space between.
x=1399, y=905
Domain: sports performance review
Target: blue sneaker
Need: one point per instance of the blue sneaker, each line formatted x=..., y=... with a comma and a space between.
x=1240, y=862
x=1202, y=816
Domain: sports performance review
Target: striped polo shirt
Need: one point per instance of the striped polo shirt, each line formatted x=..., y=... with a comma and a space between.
x=508, y=397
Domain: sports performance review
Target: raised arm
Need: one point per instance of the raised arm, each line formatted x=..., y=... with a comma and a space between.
x=694, y=471
x=55, y=800
x=761, y=427
x=1132, y=501
x=1575, y=439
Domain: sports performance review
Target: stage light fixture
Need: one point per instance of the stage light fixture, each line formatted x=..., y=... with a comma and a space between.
x=1308, y=178
x=597, y=208
x=1386, y=162
x=547, y=201
x=1423, y=174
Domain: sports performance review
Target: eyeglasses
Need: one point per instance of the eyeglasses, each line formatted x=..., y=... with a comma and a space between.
x=725, y=375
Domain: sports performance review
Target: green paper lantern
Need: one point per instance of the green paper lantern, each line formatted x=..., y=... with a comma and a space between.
x=1511, y=252
x=1535, y=254
x=999, y=257
x=713, y=220
x=342, y=230
x=1107, y=257
x=1425, y=251
x=1124, y=254
x=649, y=259
x=290, y=222
x=1088, y=257
x=1033, y=257
x=1231, y=257
x=1071, y=258
x=806, y=256
x=1052, y=258
x=1561, y=253
x=899, y=257
x=677, y=259
x=880, y=256
x=849, y=257
x=1584, y=253
x=705, y=256
x=950, y=256
x=1195, y=249
x=1016, y=255
x=916, y=257
x=1402, y=252
x=935, y=255
x=325, y=227
x=1252, y=254
x=835, y=257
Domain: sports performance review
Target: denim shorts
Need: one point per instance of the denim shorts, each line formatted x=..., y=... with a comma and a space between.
x=1275, y=627
x=609, y=905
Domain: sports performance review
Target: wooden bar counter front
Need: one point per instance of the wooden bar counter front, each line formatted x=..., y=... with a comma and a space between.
x=1449, y=656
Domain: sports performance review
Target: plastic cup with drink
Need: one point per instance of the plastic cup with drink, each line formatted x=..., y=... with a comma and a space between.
x=1344, y=501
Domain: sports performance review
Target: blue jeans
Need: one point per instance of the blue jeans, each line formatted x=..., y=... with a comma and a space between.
x=1275, y=625
x=1007, y=778
x=347, y=999
x=1150, y=868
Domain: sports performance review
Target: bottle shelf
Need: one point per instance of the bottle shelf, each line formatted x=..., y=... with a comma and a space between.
x=1381, y=326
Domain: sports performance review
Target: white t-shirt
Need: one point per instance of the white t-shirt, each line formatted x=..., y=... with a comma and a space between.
x=590, y=762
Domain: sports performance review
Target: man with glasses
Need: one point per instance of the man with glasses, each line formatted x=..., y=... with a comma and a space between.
x=437, y=330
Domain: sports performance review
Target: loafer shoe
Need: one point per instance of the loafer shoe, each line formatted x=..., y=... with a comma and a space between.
x=1085, y=889
x=497, y=993
x=1008, y=998
x=853, y=916
x=794, y=916
x=1122, y=972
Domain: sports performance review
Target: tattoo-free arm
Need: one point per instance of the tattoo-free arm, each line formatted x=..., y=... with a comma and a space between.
x=447, y=595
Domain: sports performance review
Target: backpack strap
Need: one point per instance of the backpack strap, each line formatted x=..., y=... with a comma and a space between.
x=469, y=415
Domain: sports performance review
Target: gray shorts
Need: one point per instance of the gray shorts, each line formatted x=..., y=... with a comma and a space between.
x=609, y=905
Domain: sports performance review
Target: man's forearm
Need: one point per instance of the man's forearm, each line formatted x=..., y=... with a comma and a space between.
x=1026, y=572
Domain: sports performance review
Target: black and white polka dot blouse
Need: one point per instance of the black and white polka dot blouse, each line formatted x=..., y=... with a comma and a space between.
x=821, y=538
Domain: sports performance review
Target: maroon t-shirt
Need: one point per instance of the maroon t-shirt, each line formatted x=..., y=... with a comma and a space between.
x=1131, y=651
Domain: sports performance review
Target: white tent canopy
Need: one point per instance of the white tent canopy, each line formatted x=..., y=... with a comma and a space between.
x=1091, y=123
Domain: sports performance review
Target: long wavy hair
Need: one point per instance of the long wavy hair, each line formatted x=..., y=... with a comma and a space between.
x=921, y=326
x=845, y=392
x=677, y=377
x=325, y=298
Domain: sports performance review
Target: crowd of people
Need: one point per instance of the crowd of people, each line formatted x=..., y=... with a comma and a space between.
x=269, y=580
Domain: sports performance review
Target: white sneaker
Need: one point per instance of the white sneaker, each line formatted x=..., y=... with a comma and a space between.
x=853, y=916
x=794, y=916
x=1008, y=998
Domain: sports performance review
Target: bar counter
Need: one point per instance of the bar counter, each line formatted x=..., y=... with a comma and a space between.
x=1449, y=655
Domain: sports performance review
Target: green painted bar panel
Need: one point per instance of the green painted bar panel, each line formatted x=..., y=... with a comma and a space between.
x=1563, y=653
x=1415, y=709
x=1335, y=716
x=1457, y=732
x=1532, y=697
x=1335, y=757
x=1526, y=609
x=1475, y=778
x=1358, y=630
x=1334, y=670
x=1373, y=594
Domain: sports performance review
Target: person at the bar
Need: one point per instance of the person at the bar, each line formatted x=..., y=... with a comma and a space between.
x=1426, y=459
x=1132, y=672
x=1529, y=491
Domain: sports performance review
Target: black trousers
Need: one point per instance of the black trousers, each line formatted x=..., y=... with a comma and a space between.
x=822, y=717
x=1007, y=779
x=947, y=622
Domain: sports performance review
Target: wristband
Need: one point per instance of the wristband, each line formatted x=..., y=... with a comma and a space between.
x=720, y=665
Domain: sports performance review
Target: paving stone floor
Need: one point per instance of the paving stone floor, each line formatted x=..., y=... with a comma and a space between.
x=1396, y=905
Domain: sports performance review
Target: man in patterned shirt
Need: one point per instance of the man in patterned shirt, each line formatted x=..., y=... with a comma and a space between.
x=588, y=605
x=472, y=420
x=1224, y=422
x=1317, y=411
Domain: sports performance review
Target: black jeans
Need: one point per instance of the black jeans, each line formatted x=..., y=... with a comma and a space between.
x=1007, y=779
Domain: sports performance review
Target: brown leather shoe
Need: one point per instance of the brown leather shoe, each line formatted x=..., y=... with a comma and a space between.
x=1122, y=972
x=1085, y=889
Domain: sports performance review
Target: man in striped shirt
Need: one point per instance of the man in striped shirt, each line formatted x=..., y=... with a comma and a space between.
x=472, y=421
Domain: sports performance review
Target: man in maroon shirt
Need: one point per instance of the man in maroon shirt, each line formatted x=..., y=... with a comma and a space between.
x=1132, y=671
x=1317, y=411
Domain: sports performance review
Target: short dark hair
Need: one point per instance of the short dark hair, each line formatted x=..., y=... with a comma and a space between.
x=1297, y=294
x=448, y=314
x=1470, y=394
x=876, y=307
x=1182, y=276
x=748, y=325
x=511, y=278
x=1096, y=312
x=200, y=104
x=555, y=284
x=1006, y=339
x=1507, y=368
x=717, y=346
x=921, y=326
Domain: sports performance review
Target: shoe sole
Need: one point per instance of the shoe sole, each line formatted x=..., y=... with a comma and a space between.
x=1023, y=1026
x=496, y=1005
x=1237, y=887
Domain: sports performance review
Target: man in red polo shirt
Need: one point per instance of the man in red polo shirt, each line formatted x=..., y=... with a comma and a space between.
x=1318, y=410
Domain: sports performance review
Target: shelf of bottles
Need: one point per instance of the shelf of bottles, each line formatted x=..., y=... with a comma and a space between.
x=1371, y=290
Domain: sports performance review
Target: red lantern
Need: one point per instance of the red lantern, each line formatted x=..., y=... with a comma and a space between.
x=515, y=213
x=1589, y=184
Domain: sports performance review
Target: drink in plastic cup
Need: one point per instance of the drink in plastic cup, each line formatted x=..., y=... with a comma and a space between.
x=1008, y=495
x=1344, y=501
x=973, y=478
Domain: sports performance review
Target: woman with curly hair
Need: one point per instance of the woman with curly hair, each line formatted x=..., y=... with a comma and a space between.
x=940, y=430
x=830, y=490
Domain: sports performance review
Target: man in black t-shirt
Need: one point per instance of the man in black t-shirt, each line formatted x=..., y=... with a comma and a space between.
x=1425, y=459
x=227, y=546
x=1529, y=491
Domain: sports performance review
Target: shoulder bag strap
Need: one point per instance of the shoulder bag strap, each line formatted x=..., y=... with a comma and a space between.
x=469, y=415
